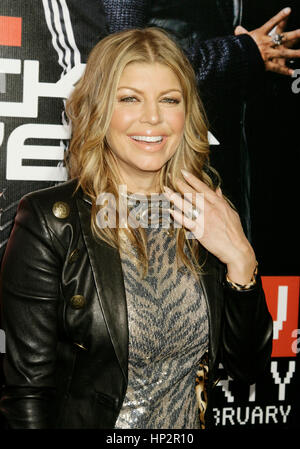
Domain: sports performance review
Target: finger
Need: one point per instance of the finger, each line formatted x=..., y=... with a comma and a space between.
x=267, y=27
x=185, y=204
x=183, y=187
x=219, y=192
x=196, y=228
x=282, y=52
x=189, y=193
x=291, y=43
x=200, y=186
x=290, y=36
x=281, y=26
x=173, y=196
x=187, y=190
x=240, y=30
x=278, y=68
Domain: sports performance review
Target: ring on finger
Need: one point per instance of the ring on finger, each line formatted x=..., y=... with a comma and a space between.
x=193, y=213
x=277, y=39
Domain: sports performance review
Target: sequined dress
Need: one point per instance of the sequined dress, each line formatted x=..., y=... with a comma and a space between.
x=168, y=334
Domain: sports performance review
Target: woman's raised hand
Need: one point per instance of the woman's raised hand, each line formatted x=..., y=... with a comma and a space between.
x=215, y=224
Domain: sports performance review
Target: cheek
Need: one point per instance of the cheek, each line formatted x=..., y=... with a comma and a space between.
x=121, y=120
x=177, y=121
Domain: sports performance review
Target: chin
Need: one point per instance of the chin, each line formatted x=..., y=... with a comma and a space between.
x=151, y=165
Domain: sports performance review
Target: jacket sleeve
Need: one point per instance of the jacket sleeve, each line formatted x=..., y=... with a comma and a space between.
x=233, y=63
x=124, y=14
x=29, y=295
x=247, y=333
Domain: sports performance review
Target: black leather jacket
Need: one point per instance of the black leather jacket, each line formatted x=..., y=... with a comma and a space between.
x=65, y=317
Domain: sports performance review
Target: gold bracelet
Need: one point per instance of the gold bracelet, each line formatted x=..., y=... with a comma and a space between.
x=240, y=287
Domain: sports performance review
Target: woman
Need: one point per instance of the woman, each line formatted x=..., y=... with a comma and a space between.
x=107, y=317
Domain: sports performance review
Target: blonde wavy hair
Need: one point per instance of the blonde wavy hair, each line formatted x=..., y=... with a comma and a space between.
x=90, y=109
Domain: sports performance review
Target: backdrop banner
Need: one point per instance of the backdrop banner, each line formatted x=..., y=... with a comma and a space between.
x=43, y=50
x=274, y=399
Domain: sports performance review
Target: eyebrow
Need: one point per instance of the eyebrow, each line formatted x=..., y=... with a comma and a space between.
x=141, y=92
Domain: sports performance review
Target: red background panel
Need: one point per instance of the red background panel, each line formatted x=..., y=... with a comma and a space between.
x=11, y=31
x=282, y=347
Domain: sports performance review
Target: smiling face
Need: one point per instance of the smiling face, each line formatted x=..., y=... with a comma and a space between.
x=147, y=121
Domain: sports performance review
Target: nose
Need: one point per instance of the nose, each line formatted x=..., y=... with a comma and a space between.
x=151, y=113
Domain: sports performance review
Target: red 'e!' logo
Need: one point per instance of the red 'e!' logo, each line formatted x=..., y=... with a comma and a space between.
x=282, y=295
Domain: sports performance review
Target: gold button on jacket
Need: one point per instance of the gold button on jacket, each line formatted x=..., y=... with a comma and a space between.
x=77, y=301
x=61, y=209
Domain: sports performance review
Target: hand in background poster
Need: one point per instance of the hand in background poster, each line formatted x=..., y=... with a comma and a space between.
x=275, y=53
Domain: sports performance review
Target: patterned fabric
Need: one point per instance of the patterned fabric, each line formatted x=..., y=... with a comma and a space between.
x=123, y=14
x=168, y=334
x=201, y=388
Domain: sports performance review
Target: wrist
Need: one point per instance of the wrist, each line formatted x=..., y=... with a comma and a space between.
x=242, y=269
x=243, y=287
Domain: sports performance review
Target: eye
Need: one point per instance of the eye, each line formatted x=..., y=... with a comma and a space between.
x=170, y=100
x=128, y=99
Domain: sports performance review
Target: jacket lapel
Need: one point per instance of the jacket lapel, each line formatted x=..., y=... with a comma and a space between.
x=107, y=271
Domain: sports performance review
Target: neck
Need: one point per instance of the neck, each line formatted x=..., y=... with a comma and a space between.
x=145, y=183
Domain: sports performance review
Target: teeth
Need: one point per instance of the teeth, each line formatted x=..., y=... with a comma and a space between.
x=148, y=138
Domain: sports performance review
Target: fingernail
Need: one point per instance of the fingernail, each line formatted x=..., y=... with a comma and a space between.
x=185, y=173
x=287, y=10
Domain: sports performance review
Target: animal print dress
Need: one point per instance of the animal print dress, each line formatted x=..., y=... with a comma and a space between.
x=168, y=335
